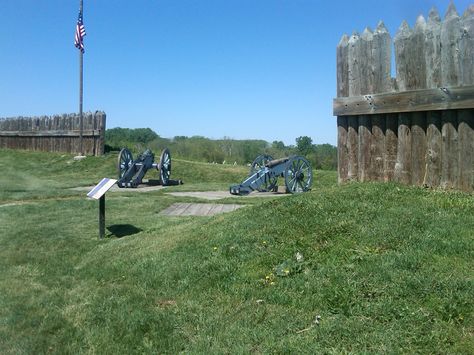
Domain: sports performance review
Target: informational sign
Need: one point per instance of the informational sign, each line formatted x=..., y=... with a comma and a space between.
x=101, y=188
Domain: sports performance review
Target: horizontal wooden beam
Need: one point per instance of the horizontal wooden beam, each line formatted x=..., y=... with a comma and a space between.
x=408, y=101
x=88, y=133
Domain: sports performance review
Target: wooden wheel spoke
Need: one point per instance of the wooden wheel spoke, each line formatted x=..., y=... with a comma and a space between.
x=298, y=175
x=164, y=167
x=124, y=162
x=302, y=185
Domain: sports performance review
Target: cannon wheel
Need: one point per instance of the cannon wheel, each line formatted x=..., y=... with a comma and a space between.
x=124, y=162
x=258, y=164
x=164, y=167
x=298, y=175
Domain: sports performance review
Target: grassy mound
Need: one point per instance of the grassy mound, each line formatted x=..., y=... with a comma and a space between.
x=353, y=268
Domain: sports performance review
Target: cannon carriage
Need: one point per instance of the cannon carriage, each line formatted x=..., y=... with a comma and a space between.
x=131, y=172
x=265, y=171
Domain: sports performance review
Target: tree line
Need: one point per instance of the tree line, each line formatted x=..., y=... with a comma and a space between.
x=225, y=150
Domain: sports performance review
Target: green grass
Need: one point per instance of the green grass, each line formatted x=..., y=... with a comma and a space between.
x=387, y=268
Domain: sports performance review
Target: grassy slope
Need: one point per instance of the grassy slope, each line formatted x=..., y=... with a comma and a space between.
x=387, y=268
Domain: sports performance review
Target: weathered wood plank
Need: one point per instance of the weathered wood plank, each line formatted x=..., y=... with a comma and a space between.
x=382, y=59
x=449, y=150
x=62, y=142
x=417, y=79
x=433, y=50
x=353, y=147
x=433, y=149
x=198, y=209
x=103, y=119
x=377, y=147
x=402, y=54
x=403, y=165
x=450, y=35
x=466, y=48
x=90, y=120
x=466, y=149
x=342, y=54
x=381, y=68
x=418, y=148
x=446, y=98
x=363, y=66
x=365, y=141
x=367, y=62
x=409, y=56
x=355, y=58
x=342, y=153
x=390, y=146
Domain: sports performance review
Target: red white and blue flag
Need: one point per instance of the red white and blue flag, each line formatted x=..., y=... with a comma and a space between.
x=80, y=33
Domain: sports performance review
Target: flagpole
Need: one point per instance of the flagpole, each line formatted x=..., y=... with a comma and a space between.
x=81, y=146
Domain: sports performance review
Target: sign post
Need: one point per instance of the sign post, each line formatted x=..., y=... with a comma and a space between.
x=98, y=193
x=102, y=217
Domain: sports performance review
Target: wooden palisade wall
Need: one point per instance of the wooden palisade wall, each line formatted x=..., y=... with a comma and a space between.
x=417, y=128
x=59, y=133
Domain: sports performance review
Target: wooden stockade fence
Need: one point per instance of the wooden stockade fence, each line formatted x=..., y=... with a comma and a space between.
x=59, y=133
x=417, y=128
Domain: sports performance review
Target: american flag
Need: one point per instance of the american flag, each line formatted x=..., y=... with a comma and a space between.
x=80, y=33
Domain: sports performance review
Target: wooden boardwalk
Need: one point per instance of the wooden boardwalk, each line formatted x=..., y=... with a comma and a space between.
x=218, y=195
x=198, y=209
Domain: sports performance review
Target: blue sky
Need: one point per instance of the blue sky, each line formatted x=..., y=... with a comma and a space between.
x=263, y=69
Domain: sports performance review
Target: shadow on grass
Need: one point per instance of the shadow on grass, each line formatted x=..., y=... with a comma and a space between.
x=123, y=230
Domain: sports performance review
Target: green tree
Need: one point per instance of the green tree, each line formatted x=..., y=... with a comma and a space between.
x=127, y=137
x=278, y=145
x=304, y=145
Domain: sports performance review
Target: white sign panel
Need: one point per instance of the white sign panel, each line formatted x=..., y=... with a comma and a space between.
x=101, y=188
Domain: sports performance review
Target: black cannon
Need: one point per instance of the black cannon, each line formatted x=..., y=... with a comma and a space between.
x=264, y=173
x=131, y=172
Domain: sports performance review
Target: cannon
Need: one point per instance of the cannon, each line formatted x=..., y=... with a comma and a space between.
x=131, y=172
x=264, y=173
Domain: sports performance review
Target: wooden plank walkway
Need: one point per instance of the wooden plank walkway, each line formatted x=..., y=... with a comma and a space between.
x=198, y=209
x=217, y=195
